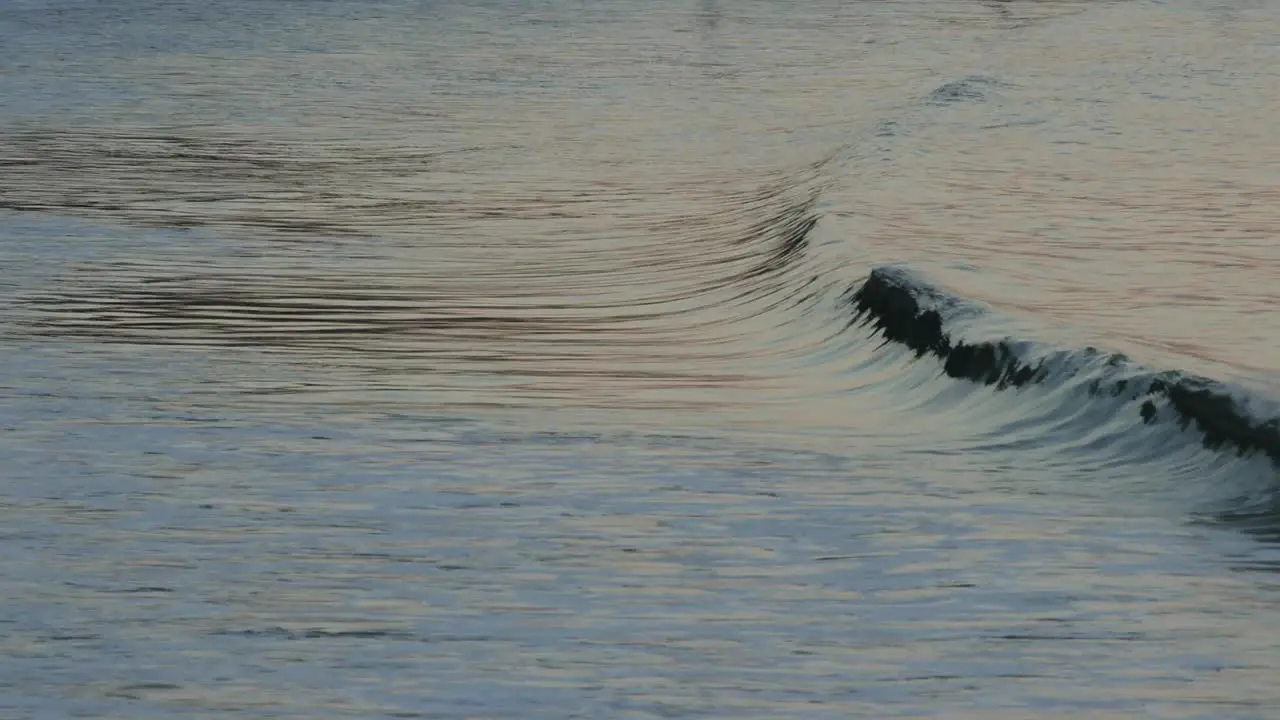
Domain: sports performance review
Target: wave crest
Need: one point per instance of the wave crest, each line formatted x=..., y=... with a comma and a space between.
x=903, y=308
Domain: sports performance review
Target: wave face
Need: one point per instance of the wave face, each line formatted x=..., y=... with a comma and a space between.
x=904, y=309
x=635, y=290
x=1132, y=415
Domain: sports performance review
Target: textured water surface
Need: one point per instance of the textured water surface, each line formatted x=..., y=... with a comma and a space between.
x=911, y=358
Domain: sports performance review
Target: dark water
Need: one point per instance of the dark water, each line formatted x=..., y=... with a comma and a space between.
x=910, y=358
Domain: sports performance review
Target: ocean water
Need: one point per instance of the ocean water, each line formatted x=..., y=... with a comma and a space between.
x=618, y=359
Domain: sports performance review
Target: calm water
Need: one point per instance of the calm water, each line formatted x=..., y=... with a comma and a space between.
x=668, y=359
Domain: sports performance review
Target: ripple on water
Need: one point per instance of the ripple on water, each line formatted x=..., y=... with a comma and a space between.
x=598, y=360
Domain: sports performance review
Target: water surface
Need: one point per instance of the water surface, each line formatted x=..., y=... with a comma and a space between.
x=555, y=359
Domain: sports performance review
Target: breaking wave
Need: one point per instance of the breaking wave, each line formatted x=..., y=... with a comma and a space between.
x=1120, y=408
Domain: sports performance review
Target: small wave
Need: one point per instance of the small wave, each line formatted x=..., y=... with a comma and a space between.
x=615, y=294
x=165, y=304
x=969, y=89
x=907, y=310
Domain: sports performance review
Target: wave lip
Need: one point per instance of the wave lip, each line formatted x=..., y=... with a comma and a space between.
x=908, y=310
